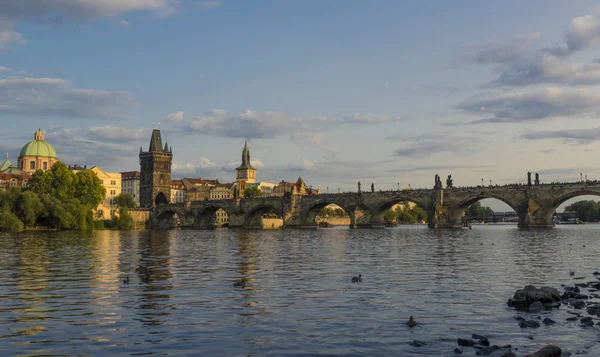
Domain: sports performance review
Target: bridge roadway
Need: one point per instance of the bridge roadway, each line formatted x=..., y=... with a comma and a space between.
x=445, y=206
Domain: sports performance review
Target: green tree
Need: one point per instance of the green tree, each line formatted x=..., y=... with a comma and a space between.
x=476, y=210
x=390, y=215
x=8, y=199
x=28, y=207
x=252, y=192
x=420, y=214
x=588, y=211
x=125, y=200
x=62, y=182
x=125, y=220
x=40, y=183
x=88, y=188
x=9, y=222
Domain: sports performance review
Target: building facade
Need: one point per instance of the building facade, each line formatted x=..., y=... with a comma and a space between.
x=37, y=154
x=130, y=183
x=13, y=180
x=155, y=173
x=178, y=191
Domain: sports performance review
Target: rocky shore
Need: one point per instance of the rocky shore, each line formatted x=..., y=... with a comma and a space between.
x=580, y=300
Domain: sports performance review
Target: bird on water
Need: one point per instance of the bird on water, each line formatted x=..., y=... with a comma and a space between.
x=126, y=280
x=357, y=279
x=411, y=322
x=571, y=272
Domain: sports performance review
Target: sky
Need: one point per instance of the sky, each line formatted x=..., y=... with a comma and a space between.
x=339, y=91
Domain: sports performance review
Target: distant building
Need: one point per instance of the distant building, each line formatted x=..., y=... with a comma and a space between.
x=37, y=154
x=111, y=181
x=155, y=172
x=13, y=180
x=130, y=183
x=245, y=172
x=297, y=188
x=221, y=191
x=178, y=191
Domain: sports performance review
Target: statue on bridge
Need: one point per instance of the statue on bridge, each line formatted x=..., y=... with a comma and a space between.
x=372, y=187
x=537, y=178
x=359, y=191
x=438, y=182
x=449, y=181
x=528, y=178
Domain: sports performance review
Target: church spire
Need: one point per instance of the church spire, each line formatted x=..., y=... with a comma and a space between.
x=246, y=156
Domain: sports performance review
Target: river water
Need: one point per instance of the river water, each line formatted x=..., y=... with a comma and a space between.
x=61, y=293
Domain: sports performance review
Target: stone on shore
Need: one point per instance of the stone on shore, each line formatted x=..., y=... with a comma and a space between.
x=548, y=351
x=465, y=342
x=417, y=343
x=523, y=298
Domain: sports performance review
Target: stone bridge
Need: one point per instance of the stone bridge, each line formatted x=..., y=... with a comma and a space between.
x=534, y=204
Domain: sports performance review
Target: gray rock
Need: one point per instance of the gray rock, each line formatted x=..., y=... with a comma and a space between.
x=548, y=321
x=587, y=321
x=530, y=323
x=487, y=350
x=503, y=353
x=548, y=351
x=594, y=310
x=537, y=306
x=457, y=351
x=530, y=294
x=572, y=318
x=465, y=342
x=482, y=340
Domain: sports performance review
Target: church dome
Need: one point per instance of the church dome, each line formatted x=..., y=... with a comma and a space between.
x=38, y=147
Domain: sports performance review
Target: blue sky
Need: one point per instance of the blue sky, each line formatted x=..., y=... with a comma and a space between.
x=334, y=91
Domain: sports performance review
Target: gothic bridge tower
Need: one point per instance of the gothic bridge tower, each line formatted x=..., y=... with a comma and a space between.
x=155, y=173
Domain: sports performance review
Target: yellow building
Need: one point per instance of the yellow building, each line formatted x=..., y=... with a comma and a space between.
x=36, y=155
x=111, y=181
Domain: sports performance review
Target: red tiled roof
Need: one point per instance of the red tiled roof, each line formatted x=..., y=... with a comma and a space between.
x=129, y=175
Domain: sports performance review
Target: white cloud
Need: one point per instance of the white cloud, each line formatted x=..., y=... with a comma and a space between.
x=255, y=124
x=44, y=11
x=386, y=84
x=5, y=69
x=207, y=5
x=118, y=134
x=124, y=23
x=7, y=37
x=177, y=116
x=56, y=97
x=532, y=105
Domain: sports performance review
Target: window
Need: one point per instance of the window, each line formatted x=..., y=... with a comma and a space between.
x=102, y=182
x=13, y=183
x=113, y=182
x=31, y=165
x=45, y=165
x=24, y=183
x=112, y=193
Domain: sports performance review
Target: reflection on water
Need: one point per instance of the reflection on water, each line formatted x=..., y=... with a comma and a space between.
x=253, y=293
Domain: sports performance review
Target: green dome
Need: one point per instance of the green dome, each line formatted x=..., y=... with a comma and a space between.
x=38, y=147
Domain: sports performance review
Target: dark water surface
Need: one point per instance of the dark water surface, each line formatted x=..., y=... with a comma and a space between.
x=62, y=293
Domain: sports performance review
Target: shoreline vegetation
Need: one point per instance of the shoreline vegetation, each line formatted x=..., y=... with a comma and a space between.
x=60, y=199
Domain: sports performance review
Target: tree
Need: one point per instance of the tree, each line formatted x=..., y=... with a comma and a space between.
x=8, y=199
x=62, y=183
x=587, y=211
x=390, y=216
x=252, y=192
x=9, y=222
x=477, y=211
x=125, y=200
x=28, y=207
x=88, y=188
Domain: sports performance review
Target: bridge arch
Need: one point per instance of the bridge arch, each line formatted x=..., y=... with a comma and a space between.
x=253, y=218
x=379, y=212
x=309, y=216
x=548, y=211
x=458, y=212
x=205, y=216
x=161, y=199
x=167, y=219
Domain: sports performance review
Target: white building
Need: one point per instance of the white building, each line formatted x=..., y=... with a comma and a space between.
x=130, y=183
x=178, y=191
